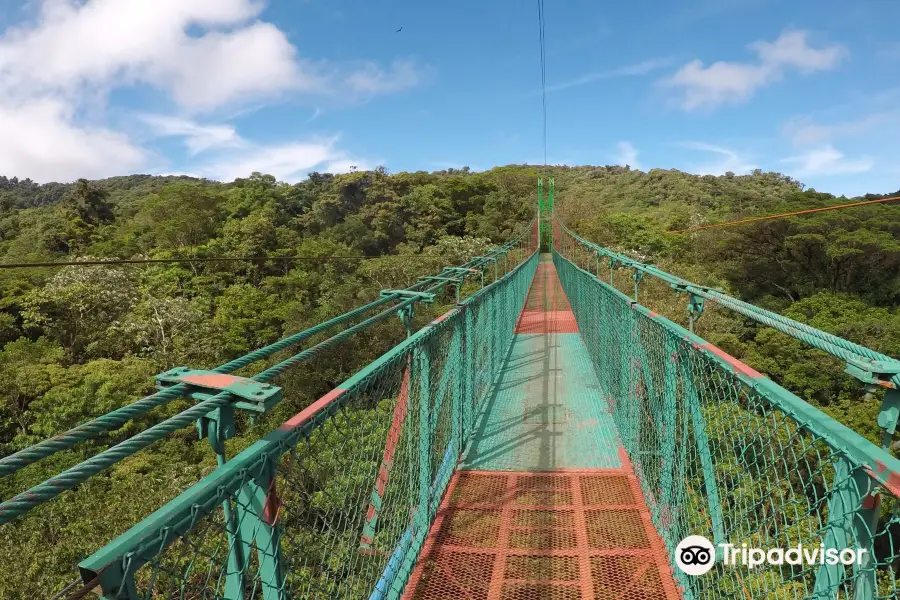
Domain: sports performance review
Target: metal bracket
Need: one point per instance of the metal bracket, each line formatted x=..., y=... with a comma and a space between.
x=217, y=427
x=686, y=287
x=456, y=282
x=890, y=411
x=453, y=280
x=638, y=275
x=254, y=396
x=875, y=372
x=463, y=271
x=695, y=306
x=407, y=295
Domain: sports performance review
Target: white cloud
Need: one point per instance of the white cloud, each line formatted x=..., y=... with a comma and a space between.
x=728, y=160
x=791, y=49
x=718, y=83
x=101, y=43
x=223, y=68
x=289, y=162
x=804, y=131
x=371, y=79
x=635, y=70
x=58, y=69
x=40, y=141
x=721, y=82
x=627, y=154
x=827, y=160
x=197, y=137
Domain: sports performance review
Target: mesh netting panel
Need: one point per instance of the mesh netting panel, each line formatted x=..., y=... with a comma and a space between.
x=337, y=501
x=719, y=455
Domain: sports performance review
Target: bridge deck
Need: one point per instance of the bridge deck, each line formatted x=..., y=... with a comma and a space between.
x=545, y=503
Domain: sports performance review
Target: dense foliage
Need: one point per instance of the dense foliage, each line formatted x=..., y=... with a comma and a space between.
x=836, y=270
x=80, y=341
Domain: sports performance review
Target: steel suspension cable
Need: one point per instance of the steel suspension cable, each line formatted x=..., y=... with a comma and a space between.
x=832, y=344
x=543, y=73
x=117, y=418
x=49, y=489
x=54, y=486
x=783, y=215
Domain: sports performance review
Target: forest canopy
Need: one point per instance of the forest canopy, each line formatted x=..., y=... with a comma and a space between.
x=80, y=341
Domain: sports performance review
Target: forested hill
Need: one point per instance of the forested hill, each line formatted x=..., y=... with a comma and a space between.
x=80, y=341
x=838, y=271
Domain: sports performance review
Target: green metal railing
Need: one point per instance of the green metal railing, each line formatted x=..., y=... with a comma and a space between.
x=392, y=302
x=722, y=451
x=872, y=368
x=545, y=214
x=337, y=501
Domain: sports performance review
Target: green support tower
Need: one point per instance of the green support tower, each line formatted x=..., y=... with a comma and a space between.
x=545, y=215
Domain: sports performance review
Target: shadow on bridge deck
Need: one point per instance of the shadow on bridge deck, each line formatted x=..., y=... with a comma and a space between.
x=545, y=503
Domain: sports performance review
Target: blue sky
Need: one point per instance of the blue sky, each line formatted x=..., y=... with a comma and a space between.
x=219, y=88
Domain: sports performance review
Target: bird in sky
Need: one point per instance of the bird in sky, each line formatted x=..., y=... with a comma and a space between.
x=399, y=30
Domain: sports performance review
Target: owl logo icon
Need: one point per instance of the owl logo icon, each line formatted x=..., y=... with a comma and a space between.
x=695, y=555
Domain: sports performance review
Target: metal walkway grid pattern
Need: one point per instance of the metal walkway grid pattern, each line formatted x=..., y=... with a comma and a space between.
x=545, y=411
x=522, y=536
x=547, y=309
x=546, y=504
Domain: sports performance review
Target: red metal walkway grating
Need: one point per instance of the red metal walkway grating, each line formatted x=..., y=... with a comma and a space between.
x=557, y=321
x=547, y=309
x=563, y=535
x=546, y=293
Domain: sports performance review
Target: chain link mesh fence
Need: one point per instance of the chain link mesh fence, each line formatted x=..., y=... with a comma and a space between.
x=337, y=501
x=723, y=452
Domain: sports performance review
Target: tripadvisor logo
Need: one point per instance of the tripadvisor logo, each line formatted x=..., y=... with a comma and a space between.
x=696, y=555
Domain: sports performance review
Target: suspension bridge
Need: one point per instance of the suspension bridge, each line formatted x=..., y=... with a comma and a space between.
x=548, y=436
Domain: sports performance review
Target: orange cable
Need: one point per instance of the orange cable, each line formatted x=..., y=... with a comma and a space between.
x=790, y=214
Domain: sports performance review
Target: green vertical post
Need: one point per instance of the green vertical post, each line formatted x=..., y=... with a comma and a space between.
x=623, y=395
x=468, y=374
x=496, y=310
x=541, y=215
x=422, y=517
x=842, y=500
x=670, y=406
x=258, y=516
x=234, y=578
x=670, y=420
x=649, y=385
x=849, y=518
x=424, y=437
x=864, y=525
x=217, y=427
x=457, y=391
x=692, y=400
